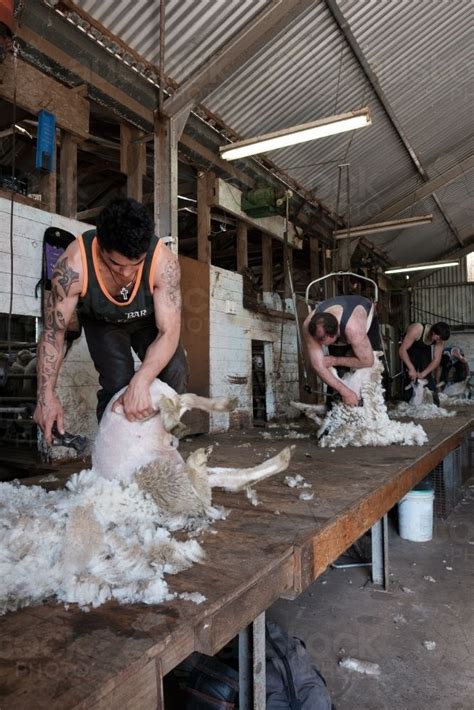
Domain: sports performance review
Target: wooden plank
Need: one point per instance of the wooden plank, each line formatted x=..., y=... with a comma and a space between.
x=229, y=198
x=204, y=184
x=48, y=188
x=133, y=160
x=314, y=258
x=267, y=264
x=234, y=599
x=242, y=247
x=68, y=176
x=136, y=164
x=35, y=91
x=141, y=691
x=195, y=326
x=66, y=658
x=233, y=616
x=23, y=199
x=165, y=188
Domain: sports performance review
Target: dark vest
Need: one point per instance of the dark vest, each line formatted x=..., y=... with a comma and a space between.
x=348, y=303
x=96, y=302
x=419, y=352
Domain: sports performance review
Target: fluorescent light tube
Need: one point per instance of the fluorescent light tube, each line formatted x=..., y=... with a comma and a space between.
x=375, y=228
x=421, y=267
x=297, y=134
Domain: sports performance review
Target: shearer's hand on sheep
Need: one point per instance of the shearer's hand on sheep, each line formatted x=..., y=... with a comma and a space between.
x=344, y=320
x=146, y=451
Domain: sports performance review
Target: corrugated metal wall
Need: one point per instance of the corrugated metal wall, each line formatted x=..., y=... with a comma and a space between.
x=444, y=295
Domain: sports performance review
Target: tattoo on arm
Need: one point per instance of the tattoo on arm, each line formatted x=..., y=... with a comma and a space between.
x=51, y=344
x=65, y=275
x=171, y=281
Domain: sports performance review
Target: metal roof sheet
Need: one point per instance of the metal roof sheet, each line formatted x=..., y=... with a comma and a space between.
x=420, y=52
x=194, y=29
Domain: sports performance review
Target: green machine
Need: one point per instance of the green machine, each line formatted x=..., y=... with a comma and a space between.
x=261, y=202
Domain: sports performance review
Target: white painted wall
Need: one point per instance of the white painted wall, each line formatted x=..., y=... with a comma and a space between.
x=231, y=351
x=77, y=384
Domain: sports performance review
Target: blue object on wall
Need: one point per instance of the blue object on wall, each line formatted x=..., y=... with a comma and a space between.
x=46, y=140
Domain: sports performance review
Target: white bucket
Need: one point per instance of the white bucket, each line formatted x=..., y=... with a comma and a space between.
x=415, y=516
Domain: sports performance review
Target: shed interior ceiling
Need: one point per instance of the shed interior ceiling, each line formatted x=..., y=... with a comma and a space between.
x=419, y=58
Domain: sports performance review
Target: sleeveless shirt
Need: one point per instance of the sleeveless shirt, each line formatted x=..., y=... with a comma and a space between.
x=348, y=303
x=419, y=352
x=419, y=345
x=96, y=302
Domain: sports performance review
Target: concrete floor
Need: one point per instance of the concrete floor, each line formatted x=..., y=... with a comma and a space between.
x=342, y=614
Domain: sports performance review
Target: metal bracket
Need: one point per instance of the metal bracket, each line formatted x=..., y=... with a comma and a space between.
x=380, y=566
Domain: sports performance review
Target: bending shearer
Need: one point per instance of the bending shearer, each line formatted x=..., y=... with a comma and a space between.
x=125, y=284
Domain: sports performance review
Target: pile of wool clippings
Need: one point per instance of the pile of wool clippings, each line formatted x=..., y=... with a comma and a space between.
x=457, y=401
x=94, y=541
x=419, y=411
x=368, y=424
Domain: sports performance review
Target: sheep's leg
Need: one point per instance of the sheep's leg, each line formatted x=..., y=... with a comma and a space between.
x=310, y=410
x=219, y=404
x=234, y=479
x=172, y=409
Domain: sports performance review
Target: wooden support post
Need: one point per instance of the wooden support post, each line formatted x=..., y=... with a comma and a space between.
x=167, y=134
x=315, y=267
x=133, y=160
x=205, y=183
x=48, y=187
x=68, y=176
x=242, y=247
x=267, y=264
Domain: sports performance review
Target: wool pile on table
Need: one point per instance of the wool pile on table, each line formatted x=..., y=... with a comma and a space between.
x=93, y=541
x=368, y=424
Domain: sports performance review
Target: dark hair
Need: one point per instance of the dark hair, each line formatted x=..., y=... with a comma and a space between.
x=327, y=320
x=125, y=226
x=441, y=329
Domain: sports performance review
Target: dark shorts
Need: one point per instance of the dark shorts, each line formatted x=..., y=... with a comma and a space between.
x=111, y=345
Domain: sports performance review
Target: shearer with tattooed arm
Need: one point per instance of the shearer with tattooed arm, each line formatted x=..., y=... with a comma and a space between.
x=125, y=284
x=348, y=326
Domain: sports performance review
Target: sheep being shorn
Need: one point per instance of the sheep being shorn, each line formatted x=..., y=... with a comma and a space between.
x=457, y=392
x=368, y=424
x=420, y=406
x=109, y=534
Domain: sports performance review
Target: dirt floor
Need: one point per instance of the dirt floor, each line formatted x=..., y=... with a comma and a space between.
x=430, y=598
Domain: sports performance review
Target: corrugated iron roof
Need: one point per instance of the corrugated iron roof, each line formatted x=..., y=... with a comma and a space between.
x=420, y=53
x=195, y=30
